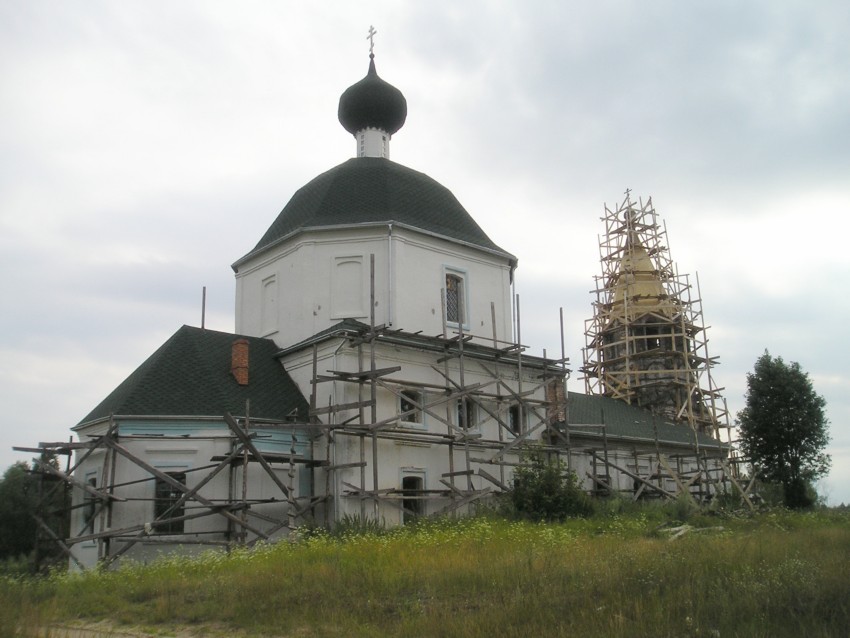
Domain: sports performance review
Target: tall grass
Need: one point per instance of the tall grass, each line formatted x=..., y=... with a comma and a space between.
x=776, y=575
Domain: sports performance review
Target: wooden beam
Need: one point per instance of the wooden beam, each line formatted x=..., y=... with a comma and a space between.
x=365, y=374
x=65, y=549
x=345, y=466
x=180, y=486
x=98, y=494
x=485, y=474
x=636, y=477
x=340, y=407
x=471, y=498
x=682, y=489
x=246, y=441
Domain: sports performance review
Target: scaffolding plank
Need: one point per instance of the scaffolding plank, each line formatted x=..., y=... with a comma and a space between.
x=178, y=485
x=364, y=375
x=246, y=441
x=355, y=405
x=485, y=474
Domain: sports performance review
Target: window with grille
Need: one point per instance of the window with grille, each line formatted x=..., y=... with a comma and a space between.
x=166, y=497
x=455, y=299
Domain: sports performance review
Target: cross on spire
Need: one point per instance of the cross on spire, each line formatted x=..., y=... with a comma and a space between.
x=371, y=38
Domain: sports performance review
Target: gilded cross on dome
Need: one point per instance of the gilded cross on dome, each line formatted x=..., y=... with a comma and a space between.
x=371, y=38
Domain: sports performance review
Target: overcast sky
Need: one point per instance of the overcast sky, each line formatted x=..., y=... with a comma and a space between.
x=146, y=145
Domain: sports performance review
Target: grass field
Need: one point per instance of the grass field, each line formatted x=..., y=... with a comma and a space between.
x=616, y=574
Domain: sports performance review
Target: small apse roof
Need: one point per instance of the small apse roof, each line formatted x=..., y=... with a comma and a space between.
x=189, y=375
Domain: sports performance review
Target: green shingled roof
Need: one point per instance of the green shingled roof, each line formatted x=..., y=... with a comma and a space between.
x=628, y=421
x=189, y=375
x=375, y=190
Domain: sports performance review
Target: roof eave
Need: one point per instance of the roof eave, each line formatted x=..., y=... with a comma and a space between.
x=424, y=342
x=167, y=417
x=717, y=445
x=512, y=260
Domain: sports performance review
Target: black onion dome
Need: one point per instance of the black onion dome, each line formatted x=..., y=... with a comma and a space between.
x=374, y=190
x=371, y=102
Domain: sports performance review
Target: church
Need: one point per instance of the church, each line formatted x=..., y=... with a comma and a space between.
x=377, y=373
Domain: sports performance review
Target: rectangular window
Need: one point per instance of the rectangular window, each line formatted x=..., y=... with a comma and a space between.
x=408, y=407
x=166, y=497
x=455, y=298
x=412, y=503
x=89, y=507
x=515, y=418
x=467, y=415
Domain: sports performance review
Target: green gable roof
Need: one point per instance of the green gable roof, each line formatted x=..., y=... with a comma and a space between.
x=189, y=375
x=373, y=190
x=628, y=422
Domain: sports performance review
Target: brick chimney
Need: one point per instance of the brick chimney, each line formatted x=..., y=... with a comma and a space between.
x=239, y=361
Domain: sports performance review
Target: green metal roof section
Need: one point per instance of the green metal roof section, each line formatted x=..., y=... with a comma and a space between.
x=628, y=422
x=374, y=190
x=189, y=375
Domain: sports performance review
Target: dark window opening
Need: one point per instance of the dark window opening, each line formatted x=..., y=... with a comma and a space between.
x=648, y=338
x=411, y=487
x=166, y=497
x=514, y=419
x=408, y=406
x=466, y=415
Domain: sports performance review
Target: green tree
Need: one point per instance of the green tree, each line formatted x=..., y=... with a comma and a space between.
x=25, y=495
x=543, y=490
x=783, y=429
x=17, y=498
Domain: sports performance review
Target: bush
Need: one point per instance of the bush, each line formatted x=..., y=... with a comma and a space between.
x=543, y=490
x=16, y=566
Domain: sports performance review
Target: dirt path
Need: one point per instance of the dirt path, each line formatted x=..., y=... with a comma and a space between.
x=107, y=629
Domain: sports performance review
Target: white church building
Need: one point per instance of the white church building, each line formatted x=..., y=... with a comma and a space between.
x=375, y=373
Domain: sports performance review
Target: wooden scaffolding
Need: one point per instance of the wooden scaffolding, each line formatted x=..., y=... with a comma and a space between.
x=646, y=343
x=525, y=398
x=537, y=407
x=528, y=409
x=241, y=522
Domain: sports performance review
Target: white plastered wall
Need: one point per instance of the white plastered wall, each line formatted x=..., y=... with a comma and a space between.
x=305, y=277
x=396, y=458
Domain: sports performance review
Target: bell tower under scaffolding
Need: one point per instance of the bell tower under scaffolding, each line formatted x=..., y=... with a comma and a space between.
x=646, y=343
